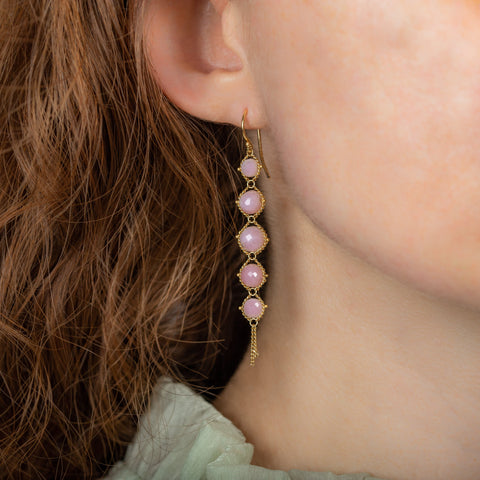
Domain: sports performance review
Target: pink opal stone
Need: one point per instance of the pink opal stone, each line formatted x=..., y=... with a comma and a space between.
x=252, y=239
x=249, y=167
x=253, y=307
x=251, y=275
x=250, y=202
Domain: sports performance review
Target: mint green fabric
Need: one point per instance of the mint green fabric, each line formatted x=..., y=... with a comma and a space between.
x=184, y=437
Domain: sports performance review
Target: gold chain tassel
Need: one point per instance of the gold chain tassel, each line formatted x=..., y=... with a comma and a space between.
x=253, y=344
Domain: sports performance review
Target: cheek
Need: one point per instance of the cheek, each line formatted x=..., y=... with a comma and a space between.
x=376, y=114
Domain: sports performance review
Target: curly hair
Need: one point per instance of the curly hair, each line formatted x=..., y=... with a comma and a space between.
x=117, y=248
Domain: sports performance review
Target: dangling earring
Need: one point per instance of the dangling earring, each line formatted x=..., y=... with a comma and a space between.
x=252, y=238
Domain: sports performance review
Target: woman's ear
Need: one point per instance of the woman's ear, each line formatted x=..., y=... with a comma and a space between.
x=198, y=58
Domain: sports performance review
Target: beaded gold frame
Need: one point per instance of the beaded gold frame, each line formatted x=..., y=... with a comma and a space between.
x=252, y=239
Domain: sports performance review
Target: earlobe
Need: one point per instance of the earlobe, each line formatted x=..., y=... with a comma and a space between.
x=189, y=45
x=219, y=5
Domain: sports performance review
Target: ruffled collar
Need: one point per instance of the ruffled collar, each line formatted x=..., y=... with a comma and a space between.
x=185, y=437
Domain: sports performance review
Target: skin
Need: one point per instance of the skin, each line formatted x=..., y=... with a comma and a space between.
x=370, y=113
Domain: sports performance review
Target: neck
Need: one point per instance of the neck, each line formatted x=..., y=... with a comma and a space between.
x=357, y=371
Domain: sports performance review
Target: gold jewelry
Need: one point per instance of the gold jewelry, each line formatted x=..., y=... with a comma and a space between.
x=252, y=238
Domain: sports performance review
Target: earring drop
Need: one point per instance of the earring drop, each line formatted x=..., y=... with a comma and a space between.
x=252, y=238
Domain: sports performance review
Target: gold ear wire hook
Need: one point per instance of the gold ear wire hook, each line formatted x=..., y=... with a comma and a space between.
x=249, y=144
x=259, y=137
x=247, y=140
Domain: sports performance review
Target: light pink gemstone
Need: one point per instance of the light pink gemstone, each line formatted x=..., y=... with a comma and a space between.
x=250, y=202
x=252, y=239
x=251, y=275
x=249, y=167
x=253, y=307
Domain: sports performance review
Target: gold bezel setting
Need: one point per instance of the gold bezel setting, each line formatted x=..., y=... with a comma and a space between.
x=265, y=241
x=264, y=307
x=259, y=167
x=262, y=200
x=264, y=273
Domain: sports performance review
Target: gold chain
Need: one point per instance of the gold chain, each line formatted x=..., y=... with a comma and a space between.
x=253, y=343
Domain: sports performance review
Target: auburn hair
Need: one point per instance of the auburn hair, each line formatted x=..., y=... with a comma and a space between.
x=117, y=238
